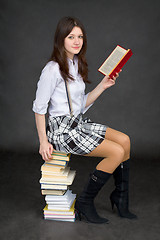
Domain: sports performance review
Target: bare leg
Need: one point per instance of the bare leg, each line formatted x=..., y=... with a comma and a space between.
x=113, y=155
x=120, y=138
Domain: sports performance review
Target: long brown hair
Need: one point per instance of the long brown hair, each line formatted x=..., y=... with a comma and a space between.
x=64, y=27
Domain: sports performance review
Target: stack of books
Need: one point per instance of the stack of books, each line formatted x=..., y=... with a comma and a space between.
x=55, y=181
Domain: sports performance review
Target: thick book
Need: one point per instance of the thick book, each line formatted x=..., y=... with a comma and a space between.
x=57, y=162
x=53, y=192
x=65, y=181
x=57, y=217
x=66, y=206
x=60, y=219
x=59, y=212
x=50, y=186
x=60, y=156
x=65, y=197
x=50, y=175
x=116, y=60
x=61, y=202
x=52, y=168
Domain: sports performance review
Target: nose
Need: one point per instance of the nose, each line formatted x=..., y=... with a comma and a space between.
x=76, y=41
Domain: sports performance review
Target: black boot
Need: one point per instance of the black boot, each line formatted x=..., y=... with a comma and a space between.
x=85, y=203
x=119, y=196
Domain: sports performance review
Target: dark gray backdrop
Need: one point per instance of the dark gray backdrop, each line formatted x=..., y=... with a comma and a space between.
x=131, y=106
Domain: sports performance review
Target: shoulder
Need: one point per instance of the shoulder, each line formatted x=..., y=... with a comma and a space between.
x=51, y=67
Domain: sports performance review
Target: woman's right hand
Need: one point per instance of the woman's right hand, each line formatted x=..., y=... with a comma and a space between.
x=46, y=150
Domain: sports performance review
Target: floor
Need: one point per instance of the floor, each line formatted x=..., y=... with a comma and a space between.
x=21, y=202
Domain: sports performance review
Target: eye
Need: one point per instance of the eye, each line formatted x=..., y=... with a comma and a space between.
x=81, y=36
x=70, y=37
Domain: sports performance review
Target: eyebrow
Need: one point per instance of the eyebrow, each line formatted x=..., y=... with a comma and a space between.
x=78, y=34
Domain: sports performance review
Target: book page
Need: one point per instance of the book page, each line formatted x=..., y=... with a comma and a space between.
x=112, y=60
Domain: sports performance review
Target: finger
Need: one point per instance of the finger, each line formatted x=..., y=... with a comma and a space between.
x=51, y=149
x=117, y=74
x=45, y=155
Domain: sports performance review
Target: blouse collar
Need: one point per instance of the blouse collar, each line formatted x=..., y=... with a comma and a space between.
x=73, y=61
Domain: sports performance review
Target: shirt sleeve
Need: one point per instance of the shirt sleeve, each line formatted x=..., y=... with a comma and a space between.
x=45, y=88
x=84, y=101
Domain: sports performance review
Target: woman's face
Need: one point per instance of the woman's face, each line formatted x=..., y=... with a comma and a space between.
x=73, y=42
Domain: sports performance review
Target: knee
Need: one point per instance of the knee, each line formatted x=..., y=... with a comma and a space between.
x=119, y=153
x=126, y=143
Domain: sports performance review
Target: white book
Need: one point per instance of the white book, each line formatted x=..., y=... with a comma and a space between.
x=60, y=219
x=60, y=212
x=59, y=216
x=62, y=207
x=62, y=203
x=54, y=186
x=59, y=198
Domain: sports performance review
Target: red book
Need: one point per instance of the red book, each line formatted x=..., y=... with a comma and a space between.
x=116, y=60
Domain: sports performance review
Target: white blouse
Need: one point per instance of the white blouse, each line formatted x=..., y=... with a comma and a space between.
x=51, y=91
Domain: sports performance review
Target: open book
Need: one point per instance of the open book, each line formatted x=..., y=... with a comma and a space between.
x=116, y=60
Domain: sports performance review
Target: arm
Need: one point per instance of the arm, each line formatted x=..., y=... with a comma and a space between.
x=46, y=148
x=101, y=87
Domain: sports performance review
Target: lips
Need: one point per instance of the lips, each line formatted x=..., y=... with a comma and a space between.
x=76, y=47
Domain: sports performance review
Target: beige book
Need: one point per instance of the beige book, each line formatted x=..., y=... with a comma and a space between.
x=65, y=181
x=48, y=176
x=52, y=168
x=53, y=192
x=64, y=172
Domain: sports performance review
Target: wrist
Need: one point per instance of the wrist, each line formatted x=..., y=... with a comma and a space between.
x=101, y=87
x=43, y=140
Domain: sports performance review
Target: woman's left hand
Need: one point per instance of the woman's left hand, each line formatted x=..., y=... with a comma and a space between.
x=108, y=82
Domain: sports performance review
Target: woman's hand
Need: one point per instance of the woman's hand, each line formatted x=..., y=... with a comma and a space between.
x=97, y=91
x=46, y=150
x=108, y=82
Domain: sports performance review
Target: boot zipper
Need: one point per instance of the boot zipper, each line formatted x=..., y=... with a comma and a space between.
x=121, y=199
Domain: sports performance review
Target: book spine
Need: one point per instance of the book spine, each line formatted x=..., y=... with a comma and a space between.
x=121, y=63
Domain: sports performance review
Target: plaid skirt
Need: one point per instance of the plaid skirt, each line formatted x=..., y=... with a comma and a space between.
x=74, y=134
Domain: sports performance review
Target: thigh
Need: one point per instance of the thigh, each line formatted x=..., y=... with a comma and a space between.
x=106, y=149
x=117, y=136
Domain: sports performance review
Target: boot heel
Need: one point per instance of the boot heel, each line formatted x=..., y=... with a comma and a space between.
x=78, y=215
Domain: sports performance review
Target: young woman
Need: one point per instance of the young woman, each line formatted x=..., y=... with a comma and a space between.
x=69, y=133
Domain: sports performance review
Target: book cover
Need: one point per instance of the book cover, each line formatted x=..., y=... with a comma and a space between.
x=54, y=186
x=60, y=219
x=66, y=206
x=57, y=162
x=116, y=60
x=66, y=181
x=61, y=201
x=59, y=175
x=66, y=196
x=59, y=212
x=60, y=156
x=53, y=192
x=52, y=168
x=54, y=216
